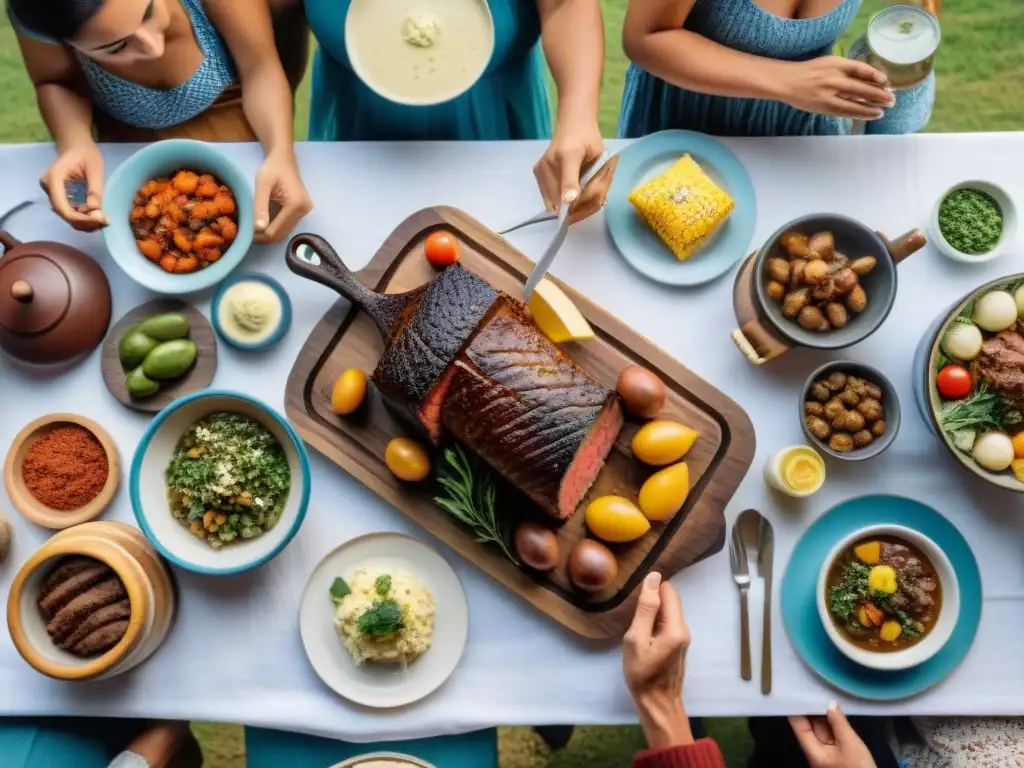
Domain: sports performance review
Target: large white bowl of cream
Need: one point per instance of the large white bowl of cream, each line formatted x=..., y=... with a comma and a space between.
x=420, y=52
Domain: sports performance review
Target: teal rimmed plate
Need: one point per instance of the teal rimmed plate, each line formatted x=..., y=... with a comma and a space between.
x=799, y=597
x=642, y=249
x=283, y=323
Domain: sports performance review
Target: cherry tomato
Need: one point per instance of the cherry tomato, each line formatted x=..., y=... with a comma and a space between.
x=954, y=382
x=407, y=460
x=442, y=249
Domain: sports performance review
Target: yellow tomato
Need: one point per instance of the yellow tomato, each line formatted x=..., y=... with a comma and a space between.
x=662, y=442
x=1018, y=445
x=1017, y=466
x=616, y=519
x=407, y=460
x=349, y=392
x=890, y=632
x=663, y=493
x=882, y=578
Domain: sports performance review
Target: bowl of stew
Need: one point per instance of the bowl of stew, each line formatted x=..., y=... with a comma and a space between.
x=888, y=597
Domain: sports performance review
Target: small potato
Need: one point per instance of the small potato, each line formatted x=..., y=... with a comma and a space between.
x=820, y=392
x=838, y=263
x=795, y=301
x=873, y=390
x=824, y=291
x=836, y=314
x=775, y=290
x=878, y=428
x=841, y=442
x=859, y=386
x=834, y=408
x=795, y=244
x=796, y=272
x=778, y=270
x=822, y=244
x=857, y=301
x=863, y=438
x=836, y=381
x=812, y=319
x=814, y=408
x=816, y=272
x=863, y=265
x=870, y=409
x=818, y=427
x=849, y=397
x=849, y=421
x=845, y=281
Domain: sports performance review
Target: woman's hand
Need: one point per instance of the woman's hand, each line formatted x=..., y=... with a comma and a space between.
x=833, y=85
x=830, y=741
x=653, y=661
x=79, y=162
x=576, y=144
x=279, y=183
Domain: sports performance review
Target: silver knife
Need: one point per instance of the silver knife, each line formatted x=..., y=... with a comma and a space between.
x=765, y=558
x=549, y=253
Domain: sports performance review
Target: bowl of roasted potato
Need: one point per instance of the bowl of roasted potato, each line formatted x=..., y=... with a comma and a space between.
x=849, y=410
x=827, y=281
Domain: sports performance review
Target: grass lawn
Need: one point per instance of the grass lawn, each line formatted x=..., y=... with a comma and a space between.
x=978, y=68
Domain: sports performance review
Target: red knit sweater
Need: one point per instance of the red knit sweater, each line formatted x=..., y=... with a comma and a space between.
x=703, y=753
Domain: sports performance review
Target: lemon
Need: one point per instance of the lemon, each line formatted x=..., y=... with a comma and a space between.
x=662, y=442
x=349, y=392
x=663, y=493
x=556, y=315
x=616, y=520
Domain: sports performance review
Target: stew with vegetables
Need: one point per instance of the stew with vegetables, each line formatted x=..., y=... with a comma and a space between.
x=883, y=594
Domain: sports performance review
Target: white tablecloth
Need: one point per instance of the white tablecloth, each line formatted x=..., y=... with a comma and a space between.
x=235, y=654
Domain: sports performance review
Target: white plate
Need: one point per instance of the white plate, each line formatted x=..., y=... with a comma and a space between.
x=384, y=685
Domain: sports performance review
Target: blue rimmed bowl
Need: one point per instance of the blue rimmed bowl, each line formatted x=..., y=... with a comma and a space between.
x=284, y=322
x=148, y=486
x=163, y=158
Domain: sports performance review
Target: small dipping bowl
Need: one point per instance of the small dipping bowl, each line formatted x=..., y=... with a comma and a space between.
x=22, y=498
x=1009, y=212
x=258, y=341
x=775, y=477
x=890, y=409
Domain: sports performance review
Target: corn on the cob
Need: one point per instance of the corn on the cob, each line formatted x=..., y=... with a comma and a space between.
x=683, y=206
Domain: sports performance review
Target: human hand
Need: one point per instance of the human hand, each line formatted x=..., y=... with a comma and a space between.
x=79, y=162
x=833, y=85
x=278, y=182
x=653, y=662
x=830, y=741
x=576, y=144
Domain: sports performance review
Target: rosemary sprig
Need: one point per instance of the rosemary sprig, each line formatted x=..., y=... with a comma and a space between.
x=471, y=499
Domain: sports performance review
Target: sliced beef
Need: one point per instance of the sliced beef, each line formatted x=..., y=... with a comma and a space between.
x=103, y=639
x=122, y=609
x=426, y=341
x=69, y=617
x=520, y=403
x=70, y=588
x=1001, y=365
x=65, y=569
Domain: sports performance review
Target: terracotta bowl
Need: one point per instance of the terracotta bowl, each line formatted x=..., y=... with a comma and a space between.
x=146, y=579
x=31, y=507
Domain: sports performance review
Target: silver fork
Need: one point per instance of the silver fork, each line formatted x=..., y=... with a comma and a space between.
x=741, y=575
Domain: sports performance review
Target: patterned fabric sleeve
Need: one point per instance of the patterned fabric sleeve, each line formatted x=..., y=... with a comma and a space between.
x=911, y=112
x=703, y=753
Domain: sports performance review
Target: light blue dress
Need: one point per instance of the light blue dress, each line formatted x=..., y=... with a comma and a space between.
x=510, y=101
x=650, y=104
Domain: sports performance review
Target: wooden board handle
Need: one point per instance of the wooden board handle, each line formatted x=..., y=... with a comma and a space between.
x=331, y=271
x=905, y=245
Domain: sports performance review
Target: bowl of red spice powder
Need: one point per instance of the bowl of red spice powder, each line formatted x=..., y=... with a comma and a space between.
x=62, y=470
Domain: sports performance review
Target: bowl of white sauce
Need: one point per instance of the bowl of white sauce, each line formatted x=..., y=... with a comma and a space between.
x=422, y=52
x=251, y=312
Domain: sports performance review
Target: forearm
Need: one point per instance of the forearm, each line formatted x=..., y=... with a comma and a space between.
x=158, y=745
x=664, y=722
x=267, y=102
x=67, y=114
x=572, y=33
x=691, y=61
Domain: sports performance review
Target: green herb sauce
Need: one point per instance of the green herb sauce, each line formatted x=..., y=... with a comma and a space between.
x=971, y=221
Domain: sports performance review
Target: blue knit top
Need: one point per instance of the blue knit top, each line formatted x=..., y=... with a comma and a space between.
x=650, y=104
x=153, y=108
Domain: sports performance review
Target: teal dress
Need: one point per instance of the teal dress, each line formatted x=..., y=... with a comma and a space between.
x=510, y=101
x=650, y=104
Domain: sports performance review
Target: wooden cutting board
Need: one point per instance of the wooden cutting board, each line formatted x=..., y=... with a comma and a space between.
x=347, y=338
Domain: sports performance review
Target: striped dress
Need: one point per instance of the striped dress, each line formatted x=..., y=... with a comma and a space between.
x=650, y=104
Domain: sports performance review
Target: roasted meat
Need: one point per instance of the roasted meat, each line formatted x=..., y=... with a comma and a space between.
x=1001, y=365
x=86, y=606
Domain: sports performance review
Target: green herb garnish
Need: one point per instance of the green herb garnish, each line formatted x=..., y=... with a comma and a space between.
x=983, y=409
x=851, y=588
x=472, y=499
x=384, y=618
x=382, y=585
x=340, y=588
x=971, y=221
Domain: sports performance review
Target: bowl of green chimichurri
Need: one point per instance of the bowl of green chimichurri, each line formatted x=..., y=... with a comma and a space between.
x=974, y=222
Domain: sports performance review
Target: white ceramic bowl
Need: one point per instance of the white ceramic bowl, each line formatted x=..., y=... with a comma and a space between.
x=948, y=614
x=148, y=486
x=1009, y=223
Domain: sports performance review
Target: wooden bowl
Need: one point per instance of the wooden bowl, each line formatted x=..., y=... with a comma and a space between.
x=32, y=508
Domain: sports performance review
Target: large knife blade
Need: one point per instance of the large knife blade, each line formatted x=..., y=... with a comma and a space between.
x=765, y=561
x=545, y=260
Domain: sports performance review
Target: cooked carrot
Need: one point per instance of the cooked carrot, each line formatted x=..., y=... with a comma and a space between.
x=174, y=211
x=185, y=182
x=208, y=189
x=207, y=238
x=875, y=615
x=168, y=262
x=228, y=229
x=204, y=209
x=181, y=200
x=181, y=240
x=150, y=188
x=138, y=215
x=152, y=210
x=225, y=203
x=210, y=255
x=187, y=264
x=207, y=178
x=150, y=249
